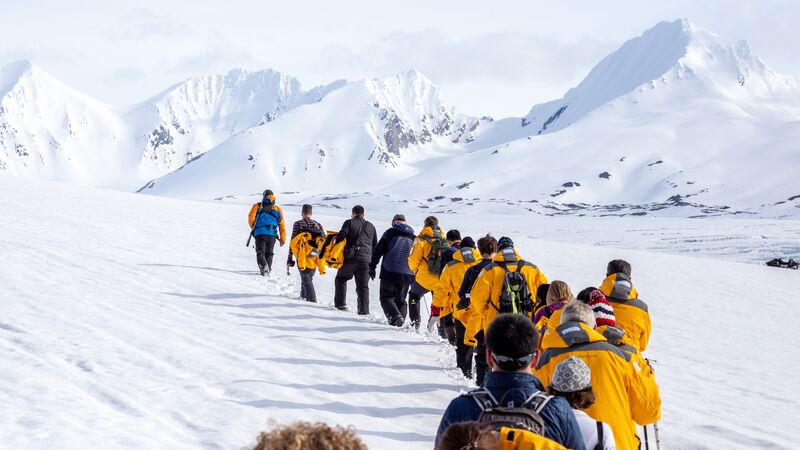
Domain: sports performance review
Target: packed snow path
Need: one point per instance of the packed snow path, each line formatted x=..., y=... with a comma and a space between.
x=131, y=321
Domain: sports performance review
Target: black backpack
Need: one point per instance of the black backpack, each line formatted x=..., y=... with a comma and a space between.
x=526, y=416
x=515, y=297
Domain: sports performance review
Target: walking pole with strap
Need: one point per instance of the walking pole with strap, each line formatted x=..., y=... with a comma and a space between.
x=658, y=438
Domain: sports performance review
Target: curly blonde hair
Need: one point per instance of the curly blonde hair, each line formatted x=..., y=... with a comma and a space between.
x=310, y=436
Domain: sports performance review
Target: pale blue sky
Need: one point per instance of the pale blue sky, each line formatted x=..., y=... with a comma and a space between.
x=487, y=58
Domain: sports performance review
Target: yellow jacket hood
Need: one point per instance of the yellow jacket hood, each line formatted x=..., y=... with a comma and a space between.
x=570, y=334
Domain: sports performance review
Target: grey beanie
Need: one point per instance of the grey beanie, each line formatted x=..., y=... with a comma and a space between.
x=571, y=375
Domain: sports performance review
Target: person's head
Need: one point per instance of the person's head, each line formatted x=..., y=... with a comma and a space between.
x=307, y=210
x=618, y=266
x=579, y=312
x=305, y=435
x=572, y=379
x=559, y=291
x=399, y=219
x=487, y=245
x=583, y=295
x=541, y=294
x=268, y=197
x=505, y=242
x=511, y=341
x=453, y=237
x=431, y=221
x=467, y=242
x=358, y=211
x=468, y=435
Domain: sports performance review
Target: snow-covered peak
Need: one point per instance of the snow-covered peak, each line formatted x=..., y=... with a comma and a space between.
x=668, y=54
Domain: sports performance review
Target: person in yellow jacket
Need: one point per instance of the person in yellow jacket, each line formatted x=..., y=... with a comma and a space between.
x=487, y=296
x=474, y=435
x=631, y=313
x=266, y=226
x=625, y=394
x=306, y=243
x=445, y=297
x=425, y=263
x=548, y=318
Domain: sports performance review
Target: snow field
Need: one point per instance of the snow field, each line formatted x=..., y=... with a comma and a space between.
x=132, y=321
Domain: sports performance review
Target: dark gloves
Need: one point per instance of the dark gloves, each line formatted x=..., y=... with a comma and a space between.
x=290, y=262
x=371, y=273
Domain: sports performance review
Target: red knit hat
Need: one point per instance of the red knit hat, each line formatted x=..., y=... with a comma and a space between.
x=603, y=311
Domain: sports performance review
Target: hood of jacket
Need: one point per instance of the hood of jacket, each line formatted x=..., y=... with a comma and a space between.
x=460, y=254
x=403, y=229
x=507, y=255
x=429, y=231
x=570, y=334
x=619, y=287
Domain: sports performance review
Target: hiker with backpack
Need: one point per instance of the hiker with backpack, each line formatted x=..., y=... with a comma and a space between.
x=624, y=392
x=453, y=238
x=425, y=262
x=445, y=293
x=466, y=345
x=359, y=238
x=306, y=242
x=394, y=247
x=632, y=313
x=267, y=227
x=512, y=396
x=474, y=435
x=572, y=379
x=507, y=285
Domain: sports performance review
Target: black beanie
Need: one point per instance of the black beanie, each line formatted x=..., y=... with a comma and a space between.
x=467, y=242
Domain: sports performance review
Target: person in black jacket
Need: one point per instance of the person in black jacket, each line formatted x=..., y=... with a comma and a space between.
x=361, y=239
x=454, y=243
x=487, y=245
x=394, y=247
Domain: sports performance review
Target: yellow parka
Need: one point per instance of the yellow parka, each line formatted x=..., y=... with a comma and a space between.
x=418, y=260
x=630, y=313
x=547, y=325
x=625, y=389
x=333, y=252
x=445, y=293
x=515, y=439
x=307, y=248
x=485, y=293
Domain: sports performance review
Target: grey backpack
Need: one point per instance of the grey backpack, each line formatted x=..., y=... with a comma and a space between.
x=506, y=414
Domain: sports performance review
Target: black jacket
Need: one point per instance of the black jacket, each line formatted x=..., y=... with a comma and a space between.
x=361, y=239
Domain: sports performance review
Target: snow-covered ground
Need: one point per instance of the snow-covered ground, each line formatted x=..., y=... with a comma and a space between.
x=132, y=321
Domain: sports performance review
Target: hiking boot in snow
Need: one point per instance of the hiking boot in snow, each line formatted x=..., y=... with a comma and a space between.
x=396, y=322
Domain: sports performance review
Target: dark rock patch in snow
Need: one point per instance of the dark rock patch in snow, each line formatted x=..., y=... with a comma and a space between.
x=605, y=175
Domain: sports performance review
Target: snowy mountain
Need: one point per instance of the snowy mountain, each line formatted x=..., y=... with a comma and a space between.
x=48, y=130
x=364, y=134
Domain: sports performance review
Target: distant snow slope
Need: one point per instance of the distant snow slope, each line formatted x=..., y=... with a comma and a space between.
x=139, y=322
x=50, y=131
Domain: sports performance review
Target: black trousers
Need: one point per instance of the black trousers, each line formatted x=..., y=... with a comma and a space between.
x=393, y=300
x=447, y=328
x=481, y=366
x=307, y=290
x=463, y=351
x=350, y=269
x=265, y=246
x=415, y=293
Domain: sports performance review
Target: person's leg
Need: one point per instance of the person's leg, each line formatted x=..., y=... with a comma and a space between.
x=388, y=291
x=261, y=248
x=307, y=285
x=415, y=293
x=343, y=275
x=362, y=287
x=463, y=351
x=270, y=251
x=481, y=366
x=400, y=300
x=448, y=328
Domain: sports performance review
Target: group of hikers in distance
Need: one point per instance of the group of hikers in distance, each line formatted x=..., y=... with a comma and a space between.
x=554, y=370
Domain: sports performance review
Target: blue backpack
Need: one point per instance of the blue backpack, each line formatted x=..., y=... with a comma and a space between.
x=267, y=221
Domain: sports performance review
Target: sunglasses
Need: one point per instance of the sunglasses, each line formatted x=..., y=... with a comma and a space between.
x=504, y=360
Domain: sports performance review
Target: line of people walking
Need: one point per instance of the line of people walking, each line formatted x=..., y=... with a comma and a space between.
x=569, y=369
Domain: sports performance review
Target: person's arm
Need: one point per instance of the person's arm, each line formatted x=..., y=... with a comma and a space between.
x=379, y=250
x=416, y=256
x=647, y=327
x=643, y=395
x=251, y=217
x=344, y=232
x=281, y=226
x=479, y=298
x=441, y=290
x=561, y=425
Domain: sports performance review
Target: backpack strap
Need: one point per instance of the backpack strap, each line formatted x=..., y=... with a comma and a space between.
x=537, y=401
x=600, y=444
x=484, y=399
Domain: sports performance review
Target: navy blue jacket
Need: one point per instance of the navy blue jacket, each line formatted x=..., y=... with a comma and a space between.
x=559, y=421
x=394, y=247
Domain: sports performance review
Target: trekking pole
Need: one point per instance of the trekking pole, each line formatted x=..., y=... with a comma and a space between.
x=658, y=438
x=253, y=228
x=646, y=440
